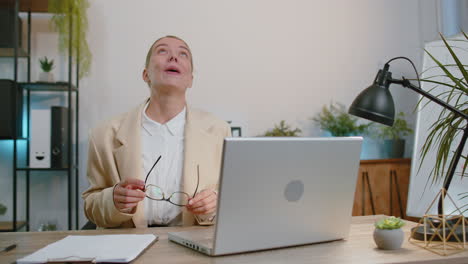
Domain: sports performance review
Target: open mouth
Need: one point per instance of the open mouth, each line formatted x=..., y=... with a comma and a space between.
x=172, y=70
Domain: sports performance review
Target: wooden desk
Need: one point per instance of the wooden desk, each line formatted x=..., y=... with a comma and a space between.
x=359, y=248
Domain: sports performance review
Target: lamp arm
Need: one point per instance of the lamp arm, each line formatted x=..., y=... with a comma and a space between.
x=406, y=83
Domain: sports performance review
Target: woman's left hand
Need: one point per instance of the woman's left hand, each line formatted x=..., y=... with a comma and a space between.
x=204, y=202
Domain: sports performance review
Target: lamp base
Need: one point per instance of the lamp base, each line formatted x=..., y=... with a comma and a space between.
x=418, y=232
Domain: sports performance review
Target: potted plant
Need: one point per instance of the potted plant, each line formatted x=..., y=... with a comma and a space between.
x=3, y=209
x=449, y=125
x=63, y=12
x=48, y=226
x=282, y=130
x=336, y=120
x=393, y=136
x=388, y=233
x=46, y=66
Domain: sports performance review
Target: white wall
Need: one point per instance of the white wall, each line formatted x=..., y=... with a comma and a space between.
x=256, y=62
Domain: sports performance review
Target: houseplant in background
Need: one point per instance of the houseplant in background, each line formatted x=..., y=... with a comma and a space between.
x=46, y=66
x=3, y=209
x=388, y=233
x=63, y=12
x=282, y=130
x=335, y=119
x=393, y=136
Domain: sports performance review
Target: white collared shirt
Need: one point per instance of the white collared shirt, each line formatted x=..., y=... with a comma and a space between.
x=166, y=140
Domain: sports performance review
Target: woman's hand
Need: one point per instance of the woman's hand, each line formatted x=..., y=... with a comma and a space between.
x=127, y=194
x=204, y=202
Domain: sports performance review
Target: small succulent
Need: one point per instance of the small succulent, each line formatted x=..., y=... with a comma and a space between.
x=389, y=223
x=47, y=227
x=46, y=64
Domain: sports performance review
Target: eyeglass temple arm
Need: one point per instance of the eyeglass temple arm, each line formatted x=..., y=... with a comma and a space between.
x=198, y=180
x=149, y=172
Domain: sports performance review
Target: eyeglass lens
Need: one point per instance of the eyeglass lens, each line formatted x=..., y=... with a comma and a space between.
x=177, y=198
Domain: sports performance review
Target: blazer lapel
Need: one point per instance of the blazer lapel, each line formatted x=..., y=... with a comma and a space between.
x=128, y=155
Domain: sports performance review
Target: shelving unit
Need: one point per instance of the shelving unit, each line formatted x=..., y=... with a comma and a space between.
x=27, y=88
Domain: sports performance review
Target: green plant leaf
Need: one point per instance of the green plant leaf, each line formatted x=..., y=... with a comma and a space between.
x=389, y=223
x=65, y=11
x=448, y=125
x=335, y=119
x=455, y=58
x=282, y=130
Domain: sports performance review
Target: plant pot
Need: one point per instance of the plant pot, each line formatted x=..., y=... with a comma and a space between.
x=388, y=238
x=46, y=77
x=394, y=148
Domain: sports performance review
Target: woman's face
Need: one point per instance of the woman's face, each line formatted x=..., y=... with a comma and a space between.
x=169, y=66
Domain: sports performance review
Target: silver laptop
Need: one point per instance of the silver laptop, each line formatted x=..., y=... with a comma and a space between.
x=280, y=192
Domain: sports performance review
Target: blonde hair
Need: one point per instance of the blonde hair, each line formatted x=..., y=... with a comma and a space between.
x=150, y=51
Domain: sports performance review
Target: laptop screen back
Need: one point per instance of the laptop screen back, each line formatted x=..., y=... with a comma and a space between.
x=277, y=192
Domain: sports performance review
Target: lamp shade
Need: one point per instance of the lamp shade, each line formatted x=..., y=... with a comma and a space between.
x=375, y=103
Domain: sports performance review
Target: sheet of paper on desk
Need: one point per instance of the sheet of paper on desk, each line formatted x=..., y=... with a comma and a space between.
x=101, y=248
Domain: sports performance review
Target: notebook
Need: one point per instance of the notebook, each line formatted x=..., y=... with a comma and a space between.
x=101, y=248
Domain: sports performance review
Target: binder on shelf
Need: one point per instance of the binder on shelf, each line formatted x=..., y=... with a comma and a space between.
x=11, y=102
x=59, y=137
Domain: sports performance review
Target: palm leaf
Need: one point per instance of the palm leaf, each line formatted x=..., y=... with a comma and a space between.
x=449, y=125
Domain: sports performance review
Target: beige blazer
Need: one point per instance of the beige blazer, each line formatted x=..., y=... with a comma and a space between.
x=115, y=155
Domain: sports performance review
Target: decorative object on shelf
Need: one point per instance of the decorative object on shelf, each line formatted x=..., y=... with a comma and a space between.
x=236, y=131
x=46, y=66
x=49, y=226
x=375, y=103
x=443, y=234
x=282, y=130
x=3, y=209
x=393, y=136
x=338, y=122
x=65, y=11
x=388, y=234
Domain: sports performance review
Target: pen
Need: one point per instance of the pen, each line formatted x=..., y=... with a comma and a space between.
x=10, y=247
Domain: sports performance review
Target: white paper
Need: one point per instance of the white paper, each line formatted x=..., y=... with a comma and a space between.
x=102, y=248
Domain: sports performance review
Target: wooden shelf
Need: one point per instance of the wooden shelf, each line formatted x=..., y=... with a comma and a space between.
x=36, y=6
x=386, y=161
x=43, y=169
x=47, y=87
x=9, y=138
x=8, y=226
x=9, y=53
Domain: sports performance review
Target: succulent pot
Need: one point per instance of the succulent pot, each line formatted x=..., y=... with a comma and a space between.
x=46, y=77
x=388, y=238
x=394, y=148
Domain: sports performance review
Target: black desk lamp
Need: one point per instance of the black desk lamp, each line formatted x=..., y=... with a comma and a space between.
x=376, y=104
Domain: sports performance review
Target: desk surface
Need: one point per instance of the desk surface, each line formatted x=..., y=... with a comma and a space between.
x=359, y=248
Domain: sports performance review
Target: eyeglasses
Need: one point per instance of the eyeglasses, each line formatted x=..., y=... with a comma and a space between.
x=155, y=192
